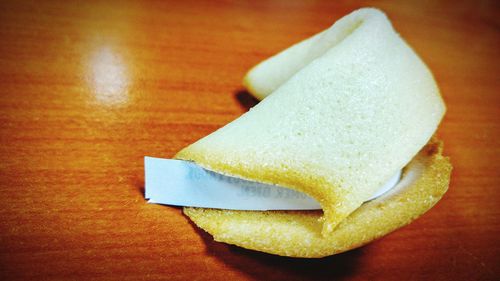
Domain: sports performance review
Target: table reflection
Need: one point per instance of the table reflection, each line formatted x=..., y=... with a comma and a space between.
x=109, y=79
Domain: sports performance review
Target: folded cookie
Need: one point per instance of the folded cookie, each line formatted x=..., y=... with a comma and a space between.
x=343, y=111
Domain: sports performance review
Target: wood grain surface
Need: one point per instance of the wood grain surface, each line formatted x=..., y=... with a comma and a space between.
x=87, y=89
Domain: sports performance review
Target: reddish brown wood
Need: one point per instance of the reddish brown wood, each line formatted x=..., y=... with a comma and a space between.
x=88, y=89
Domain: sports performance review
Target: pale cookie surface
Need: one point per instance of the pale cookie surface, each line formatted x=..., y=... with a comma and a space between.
x=340, y=126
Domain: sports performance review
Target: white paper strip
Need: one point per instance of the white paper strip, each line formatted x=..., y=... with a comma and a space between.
x=183, y=183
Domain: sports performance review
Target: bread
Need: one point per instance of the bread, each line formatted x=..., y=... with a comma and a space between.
x=349, y=107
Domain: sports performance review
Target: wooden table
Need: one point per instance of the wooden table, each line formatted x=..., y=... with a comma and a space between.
x=88, y=89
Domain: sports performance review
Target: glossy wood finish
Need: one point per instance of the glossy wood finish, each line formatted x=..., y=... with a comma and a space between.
x=88, y=89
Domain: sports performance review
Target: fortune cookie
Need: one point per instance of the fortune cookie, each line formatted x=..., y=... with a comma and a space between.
x=341, y=113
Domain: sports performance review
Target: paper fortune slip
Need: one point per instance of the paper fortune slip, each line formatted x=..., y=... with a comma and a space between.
x=183, y=183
